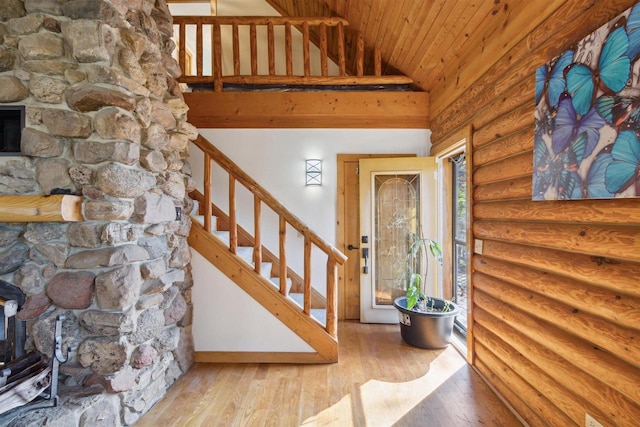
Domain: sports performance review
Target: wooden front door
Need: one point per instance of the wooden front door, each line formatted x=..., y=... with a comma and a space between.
x=397, y=198
x=349, y=232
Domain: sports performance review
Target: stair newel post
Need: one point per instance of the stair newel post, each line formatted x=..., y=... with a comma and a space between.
x=257, y=230
x=207, y=212
x=283, y=256
x=307, y=274
x=217, y=57
x=233, y=222
x=332, y=300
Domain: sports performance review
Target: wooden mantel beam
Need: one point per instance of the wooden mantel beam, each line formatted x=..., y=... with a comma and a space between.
x=55, y=208
x=322, y=109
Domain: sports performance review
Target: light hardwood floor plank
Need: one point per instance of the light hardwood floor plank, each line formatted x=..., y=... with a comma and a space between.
x=378, y=381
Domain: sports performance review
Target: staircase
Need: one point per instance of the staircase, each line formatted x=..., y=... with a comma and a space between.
x=265, y=276
x=246, y=253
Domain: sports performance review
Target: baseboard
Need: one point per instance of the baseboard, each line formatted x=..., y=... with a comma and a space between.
x=258, y=357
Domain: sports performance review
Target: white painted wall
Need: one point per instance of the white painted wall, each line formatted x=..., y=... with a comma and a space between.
x=227, y=319
x=275, y=159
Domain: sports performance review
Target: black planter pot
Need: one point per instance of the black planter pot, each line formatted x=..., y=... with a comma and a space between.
x=430, y=329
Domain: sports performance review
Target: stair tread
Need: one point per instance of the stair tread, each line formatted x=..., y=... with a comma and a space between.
x=320, y=314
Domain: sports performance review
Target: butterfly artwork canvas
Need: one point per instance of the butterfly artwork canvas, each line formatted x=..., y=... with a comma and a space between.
x=587, y=116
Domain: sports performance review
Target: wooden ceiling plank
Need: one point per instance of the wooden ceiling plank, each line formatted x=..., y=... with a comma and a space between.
x=465, y=34
x=407, y=25
x=373, y=36
x=390, y=36
x=432, y=53
x=369, y=32
x=520, y=20
x=434, y=33
x=405, y=50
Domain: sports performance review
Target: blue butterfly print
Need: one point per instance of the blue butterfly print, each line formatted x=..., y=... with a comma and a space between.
x=593, y=187
x=550, y=80
x=624, y=170
x=568, y=126
x=633, y=32
x=621, y=112
x=612, y=73
x=560, y=171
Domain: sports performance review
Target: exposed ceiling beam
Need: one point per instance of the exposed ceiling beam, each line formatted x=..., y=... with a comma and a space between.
x=328, y=109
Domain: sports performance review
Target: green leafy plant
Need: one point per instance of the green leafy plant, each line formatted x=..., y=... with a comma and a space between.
x=417, y=267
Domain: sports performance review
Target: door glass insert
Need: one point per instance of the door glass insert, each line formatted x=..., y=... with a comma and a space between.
x=396, y=206
x=460, y=255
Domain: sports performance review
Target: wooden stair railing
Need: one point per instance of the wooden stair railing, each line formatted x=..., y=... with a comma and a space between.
x=286, y=219
x=214, y=25
x=246, y=239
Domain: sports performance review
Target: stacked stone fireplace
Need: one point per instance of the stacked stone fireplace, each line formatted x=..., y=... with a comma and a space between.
x=105, y=120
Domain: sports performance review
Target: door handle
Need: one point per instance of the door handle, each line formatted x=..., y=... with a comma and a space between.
x=365, y=255
x=351, y=247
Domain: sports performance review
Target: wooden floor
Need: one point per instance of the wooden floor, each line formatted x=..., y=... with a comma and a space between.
x=379, y=381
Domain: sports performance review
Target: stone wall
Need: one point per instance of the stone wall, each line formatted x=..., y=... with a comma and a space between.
x=105, y=119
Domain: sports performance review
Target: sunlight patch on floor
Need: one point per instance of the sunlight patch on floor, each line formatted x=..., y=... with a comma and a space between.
x=383, y=403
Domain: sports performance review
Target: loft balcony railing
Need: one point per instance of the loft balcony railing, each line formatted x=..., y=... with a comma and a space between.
x=212, y=50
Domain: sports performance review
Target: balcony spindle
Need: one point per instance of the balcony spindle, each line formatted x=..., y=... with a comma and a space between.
x=236, y=49
x=254, y=49
x=288, y=48
x=360, y=55
x=271, y=49
x=342, y=62
x=377, y=61
x=324, y=67
x=182, y=48
x=217, y=57
x=305, y=49
x=199, y=43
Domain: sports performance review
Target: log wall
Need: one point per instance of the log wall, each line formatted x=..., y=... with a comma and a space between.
x=556, y=299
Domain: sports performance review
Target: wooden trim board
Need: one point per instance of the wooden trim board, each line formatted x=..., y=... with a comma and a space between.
x=257, y=357
x=327, y=109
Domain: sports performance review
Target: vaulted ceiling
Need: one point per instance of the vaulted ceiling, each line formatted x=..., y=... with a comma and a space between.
x=442, y=44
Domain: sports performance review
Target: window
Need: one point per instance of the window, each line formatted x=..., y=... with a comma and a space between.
x=459, y=238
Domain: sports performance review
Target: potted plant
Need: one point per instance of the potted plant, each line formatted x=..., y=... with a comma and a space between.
x=425, y=321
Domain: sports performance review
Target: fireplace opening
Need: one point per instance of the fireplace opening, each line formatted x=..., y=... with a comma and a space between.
x=11, y=125
x=12, y=330
x=28, y=380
